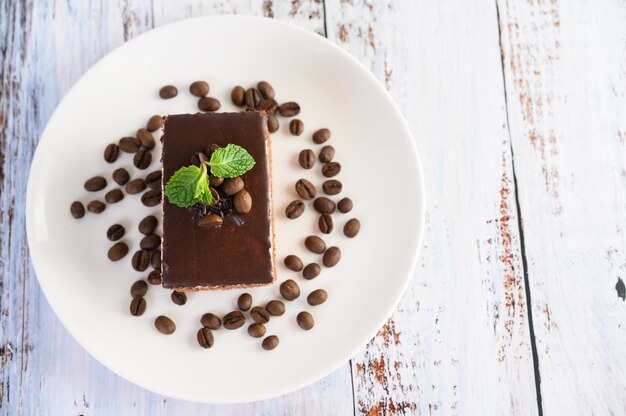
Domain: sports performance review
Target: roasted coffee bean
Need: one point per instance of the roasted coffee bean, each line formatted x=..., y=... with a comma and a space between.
x=129, y=144
x=253, y=97
x=267, y=91
x=168, y=91
x=242, y=202
x=138, y=306
x=150, y=242
x=114, y=196
x=199, y=88
x=315, y=244
x=145, y=138
x=324, y=205
x=331, y=169
x=179, y=298
x=210, y=321
x=142, y=158
x=306, y=158
x=326, y=154
x=165, y=325
x=141, y=260
x=234, y=320
x=296, y=127
x=121, y=176
x=139, y=288
x=321, y=136
x=148, y=225
x=77, y=209
x=305, y=189
x=115, y=232
x=208, y=151
x=205, y=338
x=214, y=181
x=272, y=123
x=293, y=263
x=325, y=223
x=332, y=187
x=331, y=256
x=154, y=278
x=256, y=330
x=135, y=186
x=317, y=297
x=270, y=106
x=270, y=343
x=232, y=186
x=275, y=307
x=294, y=209
x=237, y=95
x=289, y=290
x=344, y=205
x=117, y=251
x=154, y=123
x=311, y=271
x=289, y=109
x=152, y=198
x=305, y=320
x=111, y=153
x=155, y=259
x=209, y=104
x=96, y=207
x=198, y=159
x=260, y=315
x=352, y=228
x=97, y=183
x=244, y=301
x=153, y=180
x=210, y=221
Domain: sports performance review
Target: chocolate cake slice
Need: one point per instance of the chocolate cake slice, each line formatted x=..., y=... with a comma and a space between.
x=240, y=251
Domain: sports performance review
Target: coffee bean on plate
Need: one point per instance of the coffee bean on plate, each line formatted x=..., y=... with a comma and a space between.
x=244, y=302
x=331, y=169
x=153, y=180
x=210, y=321
x=150, y=242
x=137, y=306
x=305, y=320
x=154, y=123
x=325, y=223
x=289, y=290
x=117, y=251
x=115, y=232
x=135, y=186
x=95, y=184
x=331, y=256
x=324, y=205
x=305, y=189
x=209, y=104
x=293, y=262
x=142, y=158
x=352, y=228
x=129, y=144
x=270, y=343
x=289, y=109
x=344, y=205
x=256, y=330
x=152, y=197
x=145, y=138
x=294, y=209
x=96, y=207
x=168, y=91
x=141, y=260
x=296, y=127
x=148, y=225
x=321, y=136
x=210, y=221
x=267, y=91
x=317, y=297
x=332, y=187
x=242, y=202
x=155, y=259
x=234, y=320
x=232, y=186
x=114, y=196
x=326, y=154
x=205, y=338
x=315, y=244
x=237, y=96
x=275, y=307
x=179, y=298
x=311, y=271
x=165, y=325
x=139, y=288
x=272, y=123
x=111, y=153
x=121, y=176
x=306, y=158
x=260, y=315
x=77, y=209
x=269, y=105
x=154, y=278
x=199, y=88
x=252, y=97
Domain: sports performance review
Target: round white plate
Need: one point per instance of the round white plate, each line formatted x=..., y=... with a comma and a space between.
x=381, y=173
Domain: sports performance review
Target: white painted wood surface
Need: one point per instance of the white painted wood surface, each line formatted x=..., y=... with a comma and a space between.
x=515, y=106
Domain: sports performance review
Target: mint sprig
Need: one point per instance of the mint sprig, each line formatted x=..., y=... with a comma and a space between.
x=230, y=161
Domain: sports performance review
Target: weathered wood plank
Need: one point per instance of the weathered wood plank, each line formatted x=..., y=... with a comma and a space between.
x=565, y=71
x=459, y=342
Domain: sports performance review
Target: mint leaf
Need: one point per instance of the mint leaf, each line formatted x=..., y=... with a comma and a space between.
x=187, y=186
x=230, y=161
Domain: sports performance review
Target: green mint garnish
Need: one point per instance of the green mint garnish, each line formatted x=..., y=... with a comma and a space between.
x=230, y=161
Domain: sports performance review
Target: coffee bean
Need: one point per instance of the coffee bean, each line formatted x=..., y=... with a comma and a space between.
x=153, y=180
x=242, y=202
x=135, y=186
x=138, y=306
x=344, y=205
x=148, y=225
x=272, y=123
x=179, y=298
x=205, y=338
x=198, y=159
x=145, y=138
x=275, y=307
x=270, y=343
x=139, y=288
x=168, y=91
x=210, y=221
x=165, y=325
x=296, y=127
x=155, y=259
x=289, y=290
x=270, y=106
x=154, y=278
x=244, y=301
x=121, y=176
x=209, y=104
x=289, y=109
x=305, y=320
x=266, y=89
x=142, y=158
x=96, y=207
x=199, y=88
x=306, y=158
x=256, y=330
x=311, y=271
x=232, y=186
x=294, y=209
x=260, y=315
x=115, y=232
x=141, y=260
x=214, y=181
x=129, y=144
x=234, y=320
x=321, y=136
x=97, y=183
x=331, y=169
x=150, y=242
x=315, y=244
x=352, y=228
x=210, y=321
x=325, y=223
x=326, y=154
x=77, y=209
x=293, y=263
x=152, y=198
x=331, y=256
x=237, y=96
x=317, y=297
x=253, y=97
x=332, y=187
x=154, y=123
x=111, y=153
x=324, y=205
x=305, y=189
x=114, y=196
x=117, y=251
x=208, y=151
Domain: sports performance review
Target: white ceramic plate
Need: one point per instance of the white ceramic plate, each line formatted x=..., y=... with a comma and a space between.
x=381, y=173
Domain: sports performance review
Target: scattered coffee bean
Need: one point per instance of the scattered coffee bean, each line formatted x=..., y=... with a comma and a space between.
x=296, y=127
x=289, y=290
x=154, y=123
x=142, y=158
x=152, y=198
x=331, y=169
x=210, y=321
x=344, y=205
x=253, y=97
x=242, y=202
x=96, y=207
x=234, y=320
x=237, y=95
x=150, y=242
x=114, y=196
x=232, y=186
x=270, y=343
x=115, y=232
x=165, y=325
x=148, y=225
x=209, y=104
x=205, y=338
x=117, y=251
x=326, y=154
x=332, y=187
x=272, y=123
x=153, y=180
x=293, y=262
x=317, y=297
x=97, y=183
x=179, y=298
x=352, y=228
x=289, y=109
x=210, y=221
x=199, y=88
x=139, y=288
x=135, y=186
x=244, y=302
x=214, y=181
x=321, y=136
x=275, y=307
x=325, y=223
x=270, y=106
x=141, y=260
x=306, y=158
x=168, y=91
x=260, y=315
x=154, y=278
x=256, y=330
x=145, y=138
x=294, y=209
x=305, y=320
x=305, y=189
x=324, y=205
x=121, y=176
x=315, y=244
x=77, y=209
x=138, y=306
x=267, y=91
x=155, y=260
x=129, y=144
x=111, y=153
x=331, y=256
x=311, y=271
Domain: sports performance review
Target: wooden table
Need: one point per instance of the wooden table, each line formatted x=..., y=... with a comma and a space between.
x=519, y=112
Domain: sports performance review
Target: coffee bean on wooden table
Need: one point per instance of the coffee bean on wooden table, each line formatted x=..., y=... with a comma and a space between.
x=165, y=325
x=117, y=251
x=242, y=202
x=121, y=176
x=154, y=278
x=321, y=136
x=317, y=297
x=306, y=158
x=209, y=104
x=256, y=330
x=289, y=109
x=129, y=144
x=154, y=123
x=344, y=205
x=179, y=298
x=326, y=154
x=155, y=260
x=145, y=138
x=152, y=198
x=141, y=260
x=96, y=207
x=137, y=306
x=324, y=205
x=135, y=186
x=315, y=244
x=331, y=256
x=296, y=127
x=260, y=315
x=252, y=97
x=331, y=169
x=199, y=88
x=289, y=290
x=210, y=221
x=148, y=225
x=168, y=91
x=311, y=271
x=325, y=223
x=293, y=262
x=275, y=307
x=332, y=187
x=153, y=180
x=139, y=288
x=142, y=158
x=270, y=106
x=115, y=232
x=111, y=153
x=267, y=91
x=205, y=338
x=114, y=196
x=294, y=209
x=237, y=95
x=305, y=189
x=150, y=242
x=77, y=209
x=272, y=123
x=210, y=321
x=233, y=320
x=232, y=186
x=97, y=183
x=352, y=228
x=244, y=301
x=270, y=343
x=305, y=320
